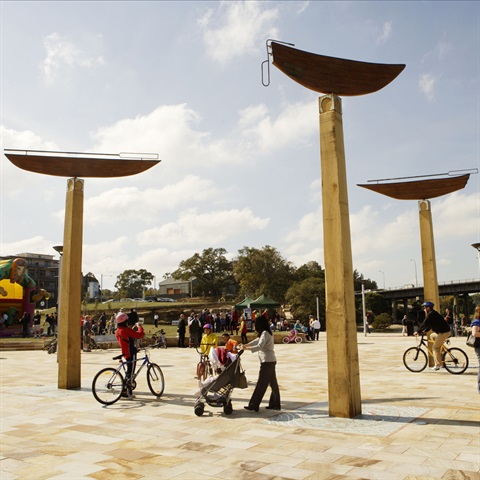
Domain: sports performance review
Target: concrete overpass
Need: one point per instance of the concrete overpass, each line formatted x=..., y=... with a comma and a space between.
x=460, y=290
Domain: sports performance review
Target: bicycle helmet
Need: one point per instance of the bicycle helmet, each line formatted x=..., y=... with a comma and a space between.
x=428, y=304
x=121, y=317
x=207, y=325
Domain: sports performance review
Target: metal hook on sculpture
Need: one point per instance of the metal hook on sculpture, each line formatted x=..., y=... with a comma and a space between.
x=267, y=61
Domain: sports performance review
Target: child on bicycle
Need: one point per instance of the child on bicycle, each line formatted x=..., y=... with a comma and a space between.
x=126, y=339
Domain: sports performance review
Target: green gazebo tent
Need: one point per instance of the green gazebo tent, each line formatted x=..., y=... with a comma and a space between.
x=264, y=302
x=245, y=303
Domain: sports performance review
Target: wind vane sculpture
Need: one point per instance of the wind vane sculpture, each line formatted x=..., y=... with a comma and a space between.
x=333, y=77
x=423, y=190
x=75, y=165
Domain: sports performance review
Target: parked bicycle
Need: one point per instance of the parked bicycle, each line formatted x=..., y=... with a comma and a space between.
x=158, y=340
x=51, y=345
x=109, y=383
x=454, y=359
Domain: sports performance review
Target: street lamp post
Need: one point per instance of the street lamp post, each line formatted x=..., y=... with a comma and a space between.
x=416, y=278
x=476, y=246
x=383, y=279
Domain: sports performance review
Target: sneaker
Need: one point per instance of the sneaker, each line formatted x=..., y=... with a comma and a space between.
x=436, y=368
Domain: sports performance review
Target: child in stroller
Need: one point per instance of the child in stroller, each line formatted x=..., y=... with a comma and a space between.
x=217, y=389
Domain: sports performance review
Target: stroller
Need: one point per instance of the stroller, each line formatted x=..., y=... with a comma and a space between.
x=217, y=390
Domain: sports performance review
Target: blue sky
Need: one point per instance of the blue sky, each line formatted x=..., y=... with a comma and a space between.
x=240, y=161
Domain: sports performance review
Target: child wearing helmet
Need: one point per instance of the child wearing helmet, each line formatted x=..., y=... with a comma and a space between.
x=126, y=339
x=209, y=339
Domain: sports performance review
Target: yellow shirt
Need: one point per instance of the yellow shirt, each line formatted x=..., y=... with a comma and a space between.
x=208, y=341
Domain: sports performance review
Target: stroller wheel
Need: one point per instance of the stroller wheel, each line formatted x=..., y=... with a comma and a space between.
x=199, y=409
x=228, y=409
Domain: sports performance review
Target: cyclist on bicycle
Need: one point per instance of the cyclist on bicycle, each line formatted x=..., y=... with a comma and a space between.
x=434, y=321
x=126, y=339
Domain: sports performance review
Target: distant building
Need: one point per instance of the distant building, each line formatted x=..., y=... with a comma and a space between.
x=175, y=289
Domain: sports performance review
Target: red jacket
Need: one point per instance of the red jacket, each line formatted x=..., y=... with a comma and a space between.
x=125, y=337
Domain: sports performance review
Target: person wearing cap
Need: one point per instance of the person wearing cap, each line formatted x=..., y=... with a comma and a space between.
x=435, y=322
x=126, y=339
x=209, y=339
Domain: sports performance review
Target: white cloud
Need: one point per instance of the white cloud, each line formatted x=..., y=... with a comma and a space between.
x=295, y=125
x=427, y=85
x=37, y=243
x=386, y=33
x=236, y=28
x=62, y=53
x=302, y=6
x=211, y=228
x=169, y=130
x=130, y=202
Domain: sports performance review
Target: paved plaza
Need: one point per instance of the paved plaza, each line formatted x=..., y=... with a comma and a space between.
x=413, y=426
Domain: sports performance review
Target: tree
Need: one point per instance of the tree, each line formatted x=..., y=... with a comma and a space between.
x=261, y=271
x=212, y=271
x=310, y=269
x=130, y=283
x=358, y=280
x=302, y=298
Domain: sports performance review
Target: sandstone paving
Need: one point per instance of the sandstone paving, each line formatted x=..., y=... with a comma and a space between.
x=413, y=426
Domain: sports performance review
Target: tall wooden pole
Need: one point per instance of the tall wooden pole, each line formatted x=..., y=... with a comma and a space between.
x=429, y=263
x=69, y=341
x=344, y=398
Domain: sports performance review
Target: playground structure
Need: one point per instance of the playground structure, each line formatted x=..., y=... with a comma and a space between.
x=18, y=294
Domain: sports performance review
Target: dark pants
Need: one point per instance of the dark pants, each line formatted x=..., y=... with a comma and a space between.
x=181, y=339
x=130, y=369
x=244, y=338
x=266, y=377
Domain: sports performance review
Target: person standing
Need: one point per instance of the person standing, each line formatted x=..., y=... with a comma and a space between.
x=182, y=327
x=87, y=331
x=126, y=339
x=449, y=320
x=51, y=324
x=434, y=321
x=243, y=329
x=195, y=330
x=476, y=333
x=25, y=325
x=316, y=328
x=267, y=376
x=155, y=319
x=404, y=326
x=132, y=317
x=36, y=324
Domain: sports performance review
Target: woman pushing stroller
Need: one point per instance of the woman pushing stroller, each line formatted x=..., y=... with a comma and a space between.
x=267, y=375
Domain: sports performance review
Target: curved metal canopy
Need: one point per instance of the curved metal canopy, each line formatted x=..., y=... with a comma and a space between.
x=81, y=165
x=325, y=74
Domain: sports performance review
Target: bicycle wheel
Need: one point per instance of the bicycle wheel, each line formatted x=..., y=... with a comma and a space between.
x=455, y=360
x=155, y=380
x=415, y=359
x=107, y=386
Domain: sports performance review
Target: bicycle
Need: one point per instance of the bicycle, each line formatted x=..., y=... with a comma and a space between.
x=204, y=366
x=51, y=345
x=109, y=383
x=454, y=359
x=158, y=340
